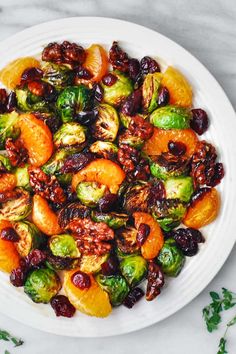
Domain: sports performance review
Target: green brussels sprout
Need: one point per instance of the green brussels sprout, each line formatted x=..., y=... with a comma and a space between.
x=126, y=240
x=28, y=102
x=72, y=100
x=171, y=117
x=89, y=193
x=41, y=285
x=30, y=237
x=55, y=163
x=113, y=220
x=70, y=135
x=64, y=245
x=116, y=287
x=179, y=188
x=107, y=123
x=151, y=85
x=171, y=258
x=166, y=165
x=169, y=213
x=5, y=163
x=59, y=76
x=134, y=269
x=136, y=197
x=104, y=149
x=8, y=128
x=121, y=89
x=16, y=209
x=22, y=177
x=132, y=140
x=65, y=178
x=92, y=263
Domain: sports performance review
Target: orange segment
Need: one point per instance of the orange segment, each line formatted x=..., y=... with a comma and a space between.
x=93, y=301
x=96, y=62
x=203, y=211
x=155, y=239
x=36, y=138
x=9, y=257
x=158, y=142
x=102, y=171
x=44, y=218
x=10, y=76
x=178, y=86
x=7, y=182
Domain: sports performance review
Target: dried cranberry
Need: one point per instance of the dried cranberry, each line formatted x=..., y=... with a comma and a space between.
x=141, y=172
x=199, y=122
x=87, y=117
x=11, y=101
x=35, y=258
x=62, y=306
x=31, y=74
x=51, y=120
x=9, y=234
x=3, y=100
x=50, y=93
x=16, y=152
x=60, y=263
x=81, y=280
x=187, y=240
x=111, y=266
x=98, y=92
x=177, y=148
x=83, y=73
x=132, y=103
x=107, y=202
x=134, y=68
x=163, y=97
x=118, y=58
x=76, y=162
x=143, y=232
x=218, y=174
x=18, y=276
x=149, y=65
x=134, y=296
x=109, y=79
x=155, y=282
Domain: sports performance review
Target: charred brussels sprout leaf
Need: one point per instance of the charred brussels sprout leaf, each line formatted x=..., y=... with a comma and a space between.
x=22, y=177
x=121, y=89
x=131, y=140
x=30, y=237
x=167, y=165
x=54, y=165
x=125, y=120
x=134, y=269
x=57, y=75
x=107, y=123
x=28, y=102
x=70, y=135
x=89, y=193
x=113, y=220
x=42, y=284
x=61, y=263
x=171, y=258
x=171, y=117
x=5, y=163
x=179, y=188
x=72, y=100
x=8, y=127
x=64, y=246
x=116, y=287
x=126, y=239
x=92, y=263
x=18, y=208
x=150, y=89
x=136, y=197
x=105, y=149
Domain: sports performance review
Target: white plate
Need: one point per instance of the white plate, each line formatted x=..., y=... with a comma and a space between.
x=220, y=236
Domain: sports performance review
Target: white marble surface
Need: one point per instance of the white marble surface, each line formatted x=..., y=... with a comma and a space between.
x=207, y=29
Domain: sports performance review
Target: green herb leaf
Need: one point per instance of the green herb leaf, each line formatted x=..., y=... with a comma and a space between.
x=7, y=352
x=4, y=335
x=222, y=346
x=232, y=322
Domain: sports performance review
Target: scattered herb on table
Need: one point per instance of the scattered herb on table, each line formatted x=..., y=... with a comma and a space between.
x=4, y=335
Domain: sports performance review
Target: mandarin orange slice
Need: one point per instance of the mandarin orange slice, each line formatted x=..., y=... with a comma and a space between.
x=96, y=62
x=9, y=257
x=7, y=182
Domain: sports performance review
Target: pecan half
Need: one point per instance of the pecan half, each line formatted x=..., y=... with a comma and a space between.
x=118, y=58
x=155, y=282
x=67, y=52
x=128, y=157
x=17, y=153
x=140, y=127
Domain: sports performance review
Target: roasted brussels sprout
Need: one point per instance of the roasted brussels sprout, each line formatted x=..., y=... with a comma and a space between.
x=70, y=135
x=132, y=140
x=54, y=165
x=18, y=208
x=72, y=100
x=121, y=89
x=57, y=75
x=134, y=269
x=150, y=89
x=125, y=119
x=30, y=237
x=113, y=220
x=65, y=179
x=167, y=165
x=171, y=258
x=5, y=164
x=107, y=123
x=89, y=193
x=61, y=263
x=64, y=245
x=168, y=213
x=171, y=117
x=126, y=239
x=22, y=177
x=42, y=284
x=8, y=128
x=136, y=197
x=104, y=149
x=116, y=287
x=92, y=263
x=179, y=188
x=28, y=102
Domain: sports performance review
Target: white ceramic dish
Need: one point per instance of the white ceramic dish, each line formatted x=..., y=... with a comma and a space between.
x=220, y=236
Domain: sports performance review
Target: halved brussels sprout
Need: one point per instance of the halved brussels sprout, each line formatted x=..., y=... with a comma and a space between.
x=113, y=220
x=104, y=149
x=107, y=123
x=89, y=193
x=136, y=197
x=72, y=100
x=64, y=245
x=179, y=188
x=57, y=75
x=171, y=117
x=92, y=263
x=132, y=140
x=8, y=127
x=116, y=287
x=61, y=263
x=22, y=177
x=70, y=135
x=28, y=102
x=151, y=85
x=55, y=163
x=167, y=165
x=171, y=258
x=18, y=208
x=134, y=269
x=168, y=213
x=126, y=239
x=30, y=237
x=125, y=119
x=41, y=285
x=121, y=89
x=5, y=163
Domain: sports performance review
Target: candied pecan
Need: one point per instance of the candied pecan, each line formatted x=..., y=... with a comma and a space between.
x=141, y=128
x=173, y=163
x=128, y=157
x=9, y=195
x=52, y=52
x=36, y=87
x=118, y=58
x=92, y=237
x=76, y=162
x=45, y=185
x=73, y=53
x=16, y=152
x=155, y=280
x=71, y=212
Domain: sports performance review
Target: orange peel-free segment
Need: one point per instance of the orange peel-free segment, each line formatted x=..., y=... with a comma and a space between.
x=178, y=86
x=7, y=182
x=158, y=142
x=96, y=62
x=102, y=171
x=93, y=301
x=155, y=240
x=36, y=138
x=10, y=75
x=203, y=211
x=9, y=257
x=44, y=218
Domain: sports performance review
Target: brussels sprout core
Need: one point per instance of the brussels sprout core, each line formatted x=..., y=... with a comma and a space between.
x=134, y=269
x=89, y=193
x=64, y=246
